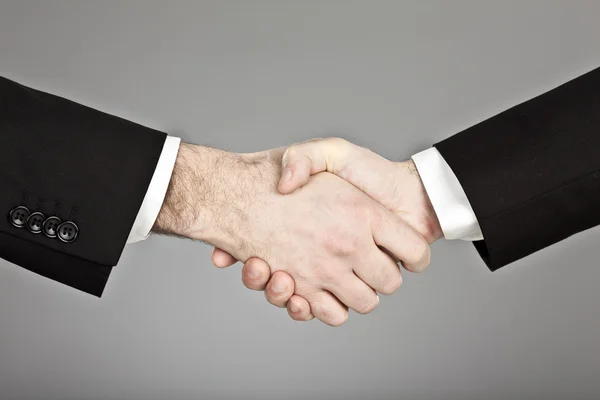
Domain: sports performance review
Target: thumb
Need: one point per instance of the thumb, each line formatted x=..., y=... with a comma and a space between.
x=302, y=160
x=222, y=259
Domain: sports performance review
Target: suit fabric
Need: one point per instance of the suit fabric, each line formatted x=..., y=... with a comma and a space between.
x=532, y=173
x=87, y=170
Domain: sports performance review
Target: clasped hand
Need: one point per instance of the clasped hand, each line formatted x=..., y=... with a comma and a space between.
x=348, y=236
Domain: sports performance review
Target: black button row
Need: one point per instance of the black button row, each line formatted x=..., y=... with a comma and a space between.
x=37, y=222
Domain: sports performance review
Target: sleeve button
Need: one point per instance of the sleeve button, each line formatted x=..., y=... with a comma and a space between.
x=35, y=222
x=18, y=216
x=67, y=231
x=50, y=226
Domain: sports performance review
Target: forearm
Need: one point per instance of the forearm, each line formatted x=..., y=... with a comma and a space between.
x=189, y=206
x=208, y=195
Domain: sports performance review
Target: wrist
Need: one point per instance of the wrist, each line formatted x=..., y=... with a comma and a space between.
x=196, y=195
x=428, y=223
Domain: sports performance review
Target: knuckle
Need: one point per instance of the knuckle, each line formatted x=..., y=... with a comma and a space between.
x=391, y=285
x=250, y=272
x=253, y=284
x=369, y=306
x=295, y=307
x=338, y=319
x=327, y=315
x=331, y=243
x=419, y=252
x=338, y=148
x=289, y=152
x=320, y=310
x=270, y=295
x=274, y=299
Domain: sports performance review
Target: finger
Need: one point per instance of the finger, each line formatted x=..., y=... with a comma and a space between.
x=256, y=274
x=301, y=161
x=380, y=272
x=326, y=308
x=401, y=240
x=296, y=173
x=299, y=309
x=279, y=289
x=222, y=259
x=355, y=293
x=419, y=266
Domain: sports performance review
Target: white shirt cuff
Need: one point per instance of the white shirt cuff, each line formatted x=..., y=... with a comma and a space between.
x=156, y=191
x=456, y=216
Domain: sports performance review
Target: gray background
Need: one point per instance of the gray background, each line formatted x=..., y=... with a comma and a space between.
x=396, y=76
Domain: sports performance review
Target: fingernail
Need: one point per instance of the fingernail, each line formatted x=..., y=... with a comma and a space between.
x=294, y=308
x=278, y=287
x=286, y=175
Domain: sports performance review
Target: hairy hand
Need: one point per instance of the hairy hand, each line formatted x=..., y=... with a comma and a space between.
x=395, y=185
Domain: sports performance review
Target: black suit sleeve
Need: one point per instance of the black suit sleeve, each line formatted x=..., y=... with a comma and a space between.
x=72, y=180
x=532, y=173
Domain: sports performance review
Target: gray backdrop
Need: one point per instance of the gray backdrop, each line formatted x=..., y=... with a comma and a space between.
x=396, y=76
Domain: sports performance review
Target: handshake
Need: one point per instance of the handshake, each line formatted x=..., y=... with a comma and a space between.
x=321, y=226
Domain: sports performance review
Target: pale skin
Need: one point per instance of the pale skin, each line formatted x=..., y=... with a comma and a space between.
x=335, y=246
x=395, y=185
